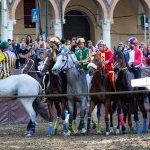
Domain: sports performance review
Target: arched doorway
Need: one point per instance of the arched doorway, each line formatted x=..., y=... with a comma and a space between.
x=76, y=25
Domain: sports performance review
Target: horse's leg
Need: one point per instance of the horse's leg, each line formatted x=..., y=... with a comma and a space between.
x=136, y=119
x=144, y=113
x=71, y=111
x=50, y=109
x=107, y=106
x=64, y=114
x=111, y=118
x=74, y=125
x=58, y=109
x=27, y=103
x=83, y=104
x=91, y=108
x=98, y=117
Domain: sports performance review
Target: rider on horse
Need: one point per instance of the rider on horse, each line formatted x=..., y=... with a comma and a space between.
x=82, y=55
x=10, y=59
x=107, y=58
x=135, y=57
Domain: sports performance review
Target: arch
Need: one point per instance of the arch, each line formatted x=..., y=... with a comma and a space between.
x=53, y=3
x=145, y=3
x=102, y=4
x=91, y=19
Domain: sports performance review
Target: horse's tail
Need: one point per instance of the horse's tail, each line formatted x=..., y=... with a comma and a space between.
x=39, y=106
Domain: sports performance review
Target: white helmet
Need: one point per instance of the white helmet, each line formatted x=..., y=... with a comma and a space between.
x=101, y=42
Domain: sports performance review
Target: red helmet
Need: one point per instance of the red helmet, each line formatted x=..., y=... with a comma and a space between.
x=133, y=40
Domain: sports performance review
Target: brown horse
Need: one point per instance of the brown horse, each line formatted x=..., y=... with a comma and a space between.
x=54, y=87
x=31, y=69
x=100, y=83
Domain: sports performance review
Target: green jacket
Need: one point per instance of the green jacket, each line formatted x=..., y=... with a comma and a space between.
x=83, y=57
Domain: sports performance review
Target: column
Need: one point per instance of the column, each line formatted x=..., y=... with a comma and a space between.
x=148, y=30
x=57, y=28
x=10, y=28
x=4, y=20
x=106, y=25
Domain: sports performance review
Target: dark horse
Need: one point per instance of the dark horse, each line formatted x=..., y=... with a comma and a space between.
x=31, y=69
x=128, y=104
x=100, y=83
x=54, y=87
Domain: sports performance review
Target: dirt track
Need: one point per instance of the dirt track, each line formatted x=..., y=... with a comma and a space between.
x=12, y=137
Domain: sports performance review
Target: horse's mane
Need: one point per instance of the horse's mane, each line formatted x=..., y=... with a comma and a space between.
x=119, y=55
x=100, y=81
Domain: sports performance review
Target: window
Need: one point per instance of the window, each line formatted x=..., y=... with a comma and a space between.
x=28, y=6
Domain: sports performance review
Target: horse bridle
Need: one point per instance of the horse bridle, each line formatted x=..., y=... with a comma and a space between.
x=66, y=62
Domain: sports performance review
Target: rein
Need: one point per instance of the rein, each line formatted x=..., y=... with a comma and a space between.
x=62, y=68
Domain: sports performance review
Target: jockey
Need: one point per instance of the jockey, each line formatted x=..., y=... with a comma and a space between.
x=82, y=55
x=10, y=59
x=107, y=58
x=135, y=57
x=2, y=59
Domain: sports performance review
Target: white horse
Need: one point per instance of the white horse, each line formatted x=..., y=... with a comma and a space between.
x=76, y=84
x=24, y=85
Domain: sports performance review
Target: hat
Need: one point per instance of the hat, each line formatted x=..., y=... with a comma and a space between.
x=133, y=40
x=80, y=40
x=55, y=40
x=4, y=45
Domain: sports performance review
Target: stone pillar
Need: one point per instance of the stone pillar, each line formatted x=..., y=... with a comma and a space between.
x=106, y=25
x=4, y=20
x=10, y=28
x=148, y=31
x=57, y=28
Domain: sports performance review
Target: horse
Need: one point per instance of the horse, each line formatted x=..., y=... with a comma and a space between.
x=24, y=85
x=54, y=87
x=76, y=84
x=100, y=83
x=128, y=103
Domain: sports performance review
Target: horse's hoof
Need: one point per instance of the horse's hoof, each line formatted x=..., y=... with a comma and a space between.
x=111, y=130
x=107, y=133
x=83, y=131
x=117, y=131
x=94, y=126
x=99, y=132
x=68, y=133
x=29, y=133
x=51, y=130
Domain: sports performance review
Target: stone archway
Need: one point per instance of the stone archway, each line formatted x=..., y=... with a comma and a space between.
x=15, y=4
x=145, y=3
x=74, y=28
x=100, y=2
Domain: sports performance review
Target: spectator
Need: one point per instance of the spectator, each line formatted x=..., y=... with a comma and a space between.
x=29, y=41
x=24, y=53
x=16, y=48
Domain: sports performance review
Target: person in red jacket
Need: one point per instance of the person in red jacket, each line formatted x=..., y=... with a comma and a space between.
x=135, y=57
x=107, y=58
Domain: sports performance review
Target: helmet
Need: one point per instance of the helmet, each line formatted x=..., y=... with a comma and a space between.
x=101, y=42
x=4, y=45
x=80, y=40
x=133, y=40
x=55, y=40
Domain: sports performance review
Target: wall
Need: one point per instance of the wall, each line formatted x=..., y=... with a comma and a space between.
x=124, y=27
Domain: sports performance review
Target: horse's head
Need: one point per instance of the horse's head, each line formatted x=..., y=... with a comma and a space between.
x=120, y=62
x=94, y=65
x=64, y=62
x=28, y=67
x=49, y=61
